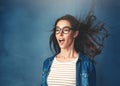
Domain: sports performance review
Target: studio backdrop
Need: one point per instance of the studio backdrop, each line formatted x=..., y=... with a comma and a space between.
x=24, y=38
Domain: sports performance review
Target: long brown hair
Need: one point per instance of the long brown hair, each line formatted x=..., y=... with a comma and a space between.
x=90, y=40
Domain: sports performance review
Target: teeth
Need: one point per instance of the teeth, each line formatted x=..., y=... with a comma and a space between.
x=61, y=39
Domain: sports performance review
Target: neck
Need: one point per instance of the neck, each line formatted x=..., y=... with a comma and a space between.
x=68, y=53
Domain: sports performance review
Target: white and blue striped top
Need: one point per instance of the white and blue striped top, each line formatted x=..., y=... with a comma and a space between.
x=62, y=73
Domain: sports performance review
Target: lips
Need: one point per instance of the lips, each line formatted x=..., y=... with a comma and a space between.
x=61, y=41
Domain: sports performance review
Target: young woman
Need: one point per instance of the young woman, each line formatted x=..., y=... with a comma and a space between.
x=76, y=43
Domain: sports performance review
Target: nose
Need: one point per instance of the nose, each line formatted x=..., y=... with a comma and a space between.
x=61, y=32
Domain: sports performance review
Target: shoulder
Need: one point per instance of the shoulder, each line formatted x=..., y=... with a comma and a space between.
x=87, y=63
x=48, y=60
x=85, y=58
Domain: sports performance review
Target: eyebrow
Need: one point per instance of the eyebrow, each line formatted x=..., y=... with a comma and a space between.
x=64, y=26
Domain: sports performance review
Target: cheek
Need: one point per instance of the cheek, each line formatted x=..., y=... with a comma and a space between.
x=69, y=38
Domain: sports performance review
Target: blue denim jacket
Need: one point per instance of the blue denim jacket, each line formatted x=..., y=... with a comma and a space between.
x=85, y=71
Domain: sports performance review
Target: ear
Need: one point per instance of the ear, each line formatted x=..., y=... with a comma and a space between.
x=76, y=34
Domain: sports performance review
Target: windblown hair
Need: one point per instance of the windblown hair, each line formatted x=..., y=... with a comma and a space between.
x=90, y=40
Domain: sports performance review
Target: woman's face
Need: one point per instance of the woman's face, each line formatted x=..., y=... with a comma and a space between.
x=64, y=35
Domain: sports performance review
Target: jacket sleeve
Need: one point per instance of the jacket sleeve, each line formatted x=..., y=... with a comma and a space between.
x=44, y=72
x=92, y=74
x=42, y=76
x=88, y=74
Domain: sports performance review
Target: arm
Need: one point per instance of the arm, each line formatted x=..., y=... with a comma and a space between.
x=92, y=75
x=44, y=72
x=88, y=74
x=42, y=77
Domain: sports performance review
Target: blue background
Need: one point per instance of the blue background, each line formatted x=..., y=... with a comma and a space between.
x=24, y=38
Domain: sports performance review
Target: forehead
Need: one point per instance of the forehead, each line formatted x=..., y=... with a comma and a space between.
x=63, y=23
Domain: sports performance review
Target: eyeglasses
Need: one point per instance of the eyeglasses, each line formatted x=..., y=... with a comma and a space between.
x=64, y=30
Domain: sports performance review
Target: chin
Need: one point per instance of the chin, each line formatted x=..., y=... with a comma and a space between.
x=63, y=47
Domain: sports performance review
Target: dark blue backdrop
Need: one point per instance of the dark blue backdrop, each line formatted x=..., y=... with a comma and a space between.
x=24, y=37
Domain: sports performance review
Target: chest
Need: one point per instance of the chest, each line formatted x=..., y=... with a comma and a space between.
x=62, y=74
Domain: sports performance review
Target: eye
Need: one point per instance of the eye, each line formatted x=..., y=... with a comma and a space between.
x=66, y=29
x=57, y=30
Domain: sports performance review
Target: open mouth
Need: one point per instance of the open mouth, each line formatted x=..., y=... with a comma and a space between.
x=61, y=41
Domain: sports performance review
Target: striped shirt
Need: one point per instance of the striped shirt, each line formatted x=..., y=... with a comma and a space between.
x=62, y=73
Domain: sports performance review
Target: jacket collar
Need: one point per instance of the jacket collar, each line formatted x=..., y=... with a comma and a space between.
x=80, y=56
